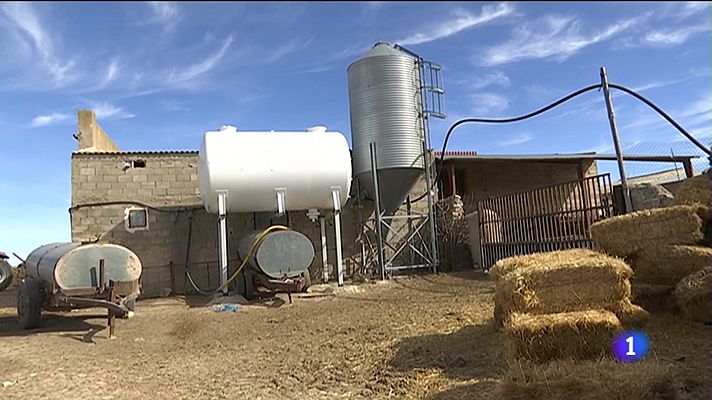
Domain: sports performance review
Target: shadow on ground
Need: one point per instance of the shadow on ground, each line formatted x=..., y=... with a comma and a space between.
x=471, y=353
x=55, y=323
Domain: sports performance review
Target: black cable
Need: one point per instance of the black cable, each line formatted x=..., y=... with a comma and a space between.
x=187, y=257
x=664, y=115
x=631, y=92
x=135, y=203
x=499, y=121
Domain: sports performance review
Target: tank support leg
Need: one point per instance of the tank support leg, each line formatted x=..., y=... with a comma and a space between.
x=222, y=237
x=335, y=196
x=324, y=258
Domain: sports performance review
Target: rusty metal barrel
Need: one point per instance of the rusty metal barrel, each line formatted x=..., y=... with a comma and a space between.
x=279, y=254
x=63, y=266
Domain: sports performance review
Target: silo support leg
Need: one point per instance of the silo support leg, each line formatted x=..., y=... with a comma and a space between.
x=222, y=237
x=324, y=259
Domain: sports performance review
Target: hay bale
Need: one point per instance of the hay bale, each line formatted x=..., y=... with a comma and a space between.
x=588, y=380
x=569, y=258
x=654, y=298
x=631, y=315
x=560, y=281
x=697, y=190
x=694, y=295
x=577, y=335
x=667, y=265
x=705, y=214
x=627, y=234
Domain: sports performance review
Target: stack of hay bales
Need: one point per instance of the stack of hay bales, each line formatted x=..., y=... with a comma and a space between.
x=563, y=304
x=662, y=248
x=561, y=311
x=564, y=281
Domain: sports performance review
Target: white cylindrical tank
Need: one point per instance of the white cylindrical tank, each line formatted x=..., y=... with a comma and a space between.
x=254, y=167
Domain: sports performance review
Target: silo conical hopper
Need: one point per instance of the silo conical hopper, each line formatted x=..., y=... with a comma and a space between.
x=386, y=109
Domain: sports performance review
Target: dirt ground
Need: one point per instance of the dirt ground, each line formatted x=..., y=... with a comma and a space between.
x=422, y=337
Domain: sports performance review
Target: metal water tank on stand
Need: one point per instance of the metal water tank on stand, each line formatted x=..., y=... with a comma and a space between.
x=275, y=172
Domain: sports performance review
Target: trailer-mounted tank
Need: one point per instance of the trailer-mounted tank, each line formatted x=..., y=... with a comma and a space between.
x=66, y=276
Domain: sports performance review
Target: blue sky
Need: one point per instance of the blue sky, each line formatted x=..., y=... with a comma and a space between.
x=160, y=74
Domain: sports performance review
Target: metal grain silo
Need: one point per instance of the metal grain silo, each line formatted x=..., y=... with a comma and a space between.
x=386, y=109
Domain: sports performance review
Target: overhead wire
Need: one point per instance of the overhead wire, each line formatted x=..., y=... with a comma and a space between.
x=564, y=99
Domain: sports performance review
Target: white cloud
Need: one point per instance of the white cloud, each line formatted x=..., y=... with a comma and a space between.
x=196, y=70
x=24, y=20
x=693, y=7
x=553, y=37
x=110, y=111
x=463, y=20
x=521, y=138
x=695, y=116
x=673, y=37
x=485, y=105
x=493, y=78
x=49, y=119
x=166, y=13
x=279, y=52
x=112, y=71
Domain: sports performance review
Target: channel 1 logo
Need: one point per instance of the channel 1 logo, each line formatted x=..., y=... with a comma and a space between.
x=630, y=346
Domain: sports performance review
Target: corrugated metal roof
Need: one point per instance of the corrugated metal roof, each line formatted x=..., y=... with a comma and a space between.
x=129, y=153
x=565, y=157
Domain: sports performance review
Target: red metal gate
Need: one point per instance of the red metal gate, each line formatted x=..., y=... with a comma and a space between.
x=544, y=219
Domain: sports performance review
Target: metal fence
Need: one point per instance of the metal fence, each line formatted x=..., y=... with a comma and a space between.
x=550, y=218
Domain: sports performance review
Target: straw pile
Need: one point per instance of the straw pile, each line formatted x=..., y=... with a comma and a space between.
x=694, y=295
x=576, y=335
x=561, y=281
x=695, y=191
x=630, y=315
x=628, y=234
x=652, y=297
x=667, y=265
x=588, y=380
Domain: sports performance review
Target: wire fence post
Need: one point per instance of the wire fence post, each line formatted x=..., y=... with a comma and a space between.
x=616, y=141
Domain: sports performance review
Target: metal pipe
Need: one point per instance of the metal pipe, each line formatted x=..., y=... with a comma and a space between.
x=431, y=208
x=616, y=142
x=222, y=238
x=339, y=260
x=377, y=208
x=336, y=195
x=102, y=275
x=324, y=260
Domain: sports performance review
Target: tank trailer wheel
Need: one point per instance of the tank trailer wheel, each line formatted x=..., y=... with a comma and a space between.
x=246, y=284
x=29, y=303
x=5, y=275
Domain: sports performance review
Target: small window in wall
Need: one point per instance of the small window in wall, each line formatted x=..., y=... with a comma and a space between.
x=136, y=219
x=138, y=164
